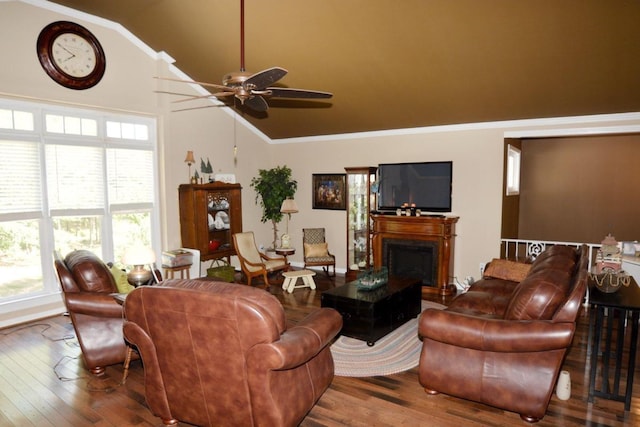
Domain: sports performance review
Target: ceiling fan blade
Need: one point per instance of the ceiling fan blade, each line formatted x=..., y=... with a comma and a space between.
x=211, y=95
x=223, y=94
x=256, y=103
x=194, y=82
x=264, y=78
x=285, y=92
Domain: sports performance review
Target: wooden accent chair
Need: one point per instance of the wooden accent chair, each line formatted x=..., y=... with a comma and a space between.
x=253, y=262
x=217, y=353
x=316, y=250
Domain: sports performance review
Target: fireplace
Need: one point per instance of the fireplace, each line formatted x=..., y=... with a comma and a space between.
x=416, y=246
x=416, y=259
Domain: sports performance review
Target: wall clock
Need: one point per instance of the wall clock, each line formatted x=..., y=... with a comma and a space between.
x=71, y=55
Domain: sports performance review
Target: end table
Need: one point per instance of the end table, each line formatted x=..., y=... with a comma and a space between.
x=285, y=252
x=622, y=306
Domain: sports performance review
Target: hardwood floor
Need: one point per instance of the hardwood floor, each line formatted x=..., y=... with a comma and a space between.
x=43, y=383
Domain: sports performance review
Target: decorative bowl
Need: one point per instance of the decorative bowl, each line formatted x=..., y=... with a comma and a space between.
x=371, y=279
x=609, y=282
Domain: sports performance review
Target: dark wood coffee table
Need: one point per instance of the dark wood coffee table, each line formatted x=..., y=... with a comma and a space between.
x=370, y=315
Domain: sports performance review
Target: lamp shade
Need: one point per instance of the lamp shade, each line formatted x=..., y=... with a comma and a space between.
x=189, y=159
x=139, y=255
x=289, y=206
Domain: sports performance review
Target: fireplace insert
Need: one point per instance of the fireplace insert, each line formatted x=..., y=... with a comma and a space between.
x=415, y=259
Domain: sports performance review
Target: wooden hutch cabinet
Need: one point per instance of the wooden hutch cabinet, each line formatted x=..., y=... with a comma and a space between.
x=209, y=215
x=360, y=201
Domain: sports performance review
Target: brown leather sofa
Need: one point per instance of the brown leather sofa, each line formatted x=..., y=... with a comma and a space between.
x=216, y=353
x=87, y=285
x=503, y=342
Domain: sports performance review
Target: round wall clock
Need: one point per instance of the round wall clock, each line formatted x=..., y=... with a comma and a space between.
x=71, y=55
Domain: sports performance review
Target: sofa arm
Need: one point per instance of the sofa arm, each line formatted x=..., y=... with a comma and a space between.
x=300, y=343
x=490, y=334
x=93, y=304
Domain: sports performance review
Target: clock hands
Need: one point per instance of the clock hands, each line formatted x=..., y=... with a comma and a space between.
x=66, y=50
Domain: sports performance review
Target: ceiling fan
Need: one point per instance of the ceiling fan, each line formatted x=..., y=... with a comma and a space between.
x=251, y=89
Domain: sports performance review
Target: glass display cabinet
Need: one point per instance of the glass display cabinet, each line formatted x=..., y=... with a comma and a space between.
x=360, y=201
x=209, y=215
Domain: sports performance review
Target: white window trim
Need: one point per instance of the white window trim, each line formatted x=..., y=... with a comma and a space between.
x=514, y=157
x=15, y=308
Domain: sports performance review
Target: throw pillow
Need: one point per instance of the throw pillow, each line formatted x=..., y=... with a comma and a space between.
x=123, y=285
x=316, y=250
x=507, y=270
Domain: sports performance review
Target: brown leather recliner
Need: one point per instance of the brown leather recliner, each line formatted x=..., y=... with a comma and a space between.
x=217, y=353
x=503, y=342
x=96, y=316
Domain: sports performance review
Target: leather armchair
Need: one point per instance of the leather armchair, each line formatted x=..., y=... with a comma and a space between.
x=503, y=343
x=216, y=353
x=87, y=285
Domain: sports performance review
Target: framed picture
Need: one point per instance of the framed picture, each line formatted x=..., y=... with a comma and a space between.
x=329, y=191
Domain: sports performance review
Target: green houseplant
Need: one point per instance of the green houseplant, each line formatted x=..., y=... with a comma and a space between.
x=272, y=187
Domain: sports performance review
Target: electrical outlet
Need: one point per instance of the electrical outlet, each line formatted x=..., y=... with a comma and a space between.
x=482, y=266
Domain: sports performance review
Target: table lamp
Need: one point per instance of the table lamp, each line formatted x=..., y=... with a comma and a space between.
x=139, y=257
x=189, y=160
x=288, y=207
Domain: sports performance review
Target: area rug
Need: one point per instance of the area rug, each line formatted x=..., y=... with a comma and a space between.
x=396, y=352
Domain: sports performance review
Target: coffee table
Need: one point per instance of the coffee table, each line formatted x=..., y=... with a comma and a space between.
x=370, y=315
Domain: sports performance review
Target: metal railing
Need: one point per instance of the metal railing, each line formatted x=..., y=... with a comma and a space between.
x=521, y=249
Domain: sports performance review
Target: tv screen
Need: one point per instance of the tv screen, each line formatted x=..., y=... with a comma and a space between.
x=426, y=184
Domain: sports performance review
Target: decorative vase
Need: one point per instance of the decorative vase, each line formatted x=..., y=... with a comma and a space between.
x=563, y=388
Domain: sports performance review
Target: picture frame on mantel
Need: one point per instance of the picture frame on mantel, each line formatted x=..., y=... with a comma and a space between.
x=329, y=191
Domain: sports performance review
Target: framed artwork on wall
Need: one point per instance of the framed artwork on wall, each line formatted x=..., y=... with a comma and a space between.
x=329, y=191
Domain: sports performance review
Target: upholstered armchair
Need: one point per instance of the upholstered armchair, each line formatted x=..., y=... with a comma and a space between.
x=253, y=262
x=316, y=250
x=216, y=353
x=87, y=285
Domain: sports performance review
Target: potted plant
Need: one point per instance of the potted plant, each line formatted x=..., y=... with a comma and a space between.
x=272, y=187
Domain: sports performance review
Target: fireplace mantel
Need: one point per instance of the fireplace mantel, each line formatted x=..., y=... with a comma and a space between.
x=437, y=229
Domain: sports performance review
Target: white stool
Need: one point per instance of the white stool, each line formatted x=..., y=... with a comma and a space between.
x=291, y=277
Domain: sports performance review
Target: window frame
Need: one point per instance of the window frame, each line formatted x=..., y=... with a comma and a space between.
x=41, y=136
x=514, y=162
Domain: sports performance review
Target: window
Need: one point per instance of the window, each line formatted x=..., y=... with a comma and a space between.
x=513, y=170
x=71, y=179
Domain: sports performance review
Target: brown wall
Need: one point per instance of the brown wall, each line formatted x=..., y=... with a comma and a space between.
x=579, y=189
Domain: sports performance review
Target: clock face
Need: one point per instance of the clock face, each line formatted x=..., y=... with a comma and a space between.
x=71, y=55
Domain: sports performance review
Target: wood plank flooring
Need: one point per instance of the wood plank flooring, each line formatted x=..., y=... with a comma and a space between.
x=43, y=382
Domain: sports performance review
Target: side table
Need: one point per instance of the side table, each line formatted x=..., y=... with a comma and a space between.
x=285, y=252
x=622, y=307
x=170, y=271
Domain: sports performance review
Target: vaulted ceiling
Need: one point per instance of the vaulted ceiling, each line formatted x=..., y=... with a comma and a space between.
x=404, y=64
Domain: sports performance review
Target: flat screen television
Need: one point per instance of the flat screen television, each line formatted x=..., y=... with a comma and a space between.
x=425, y=184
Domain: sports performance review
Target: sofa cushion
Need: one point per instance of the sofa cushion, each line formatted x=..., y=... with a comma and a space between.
x=558, y=262
x=539, y=295
x=507, y=270
x=120, y=277
x=315, y=250
x=493, y=286
x=478, y=303
x=558, y=250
